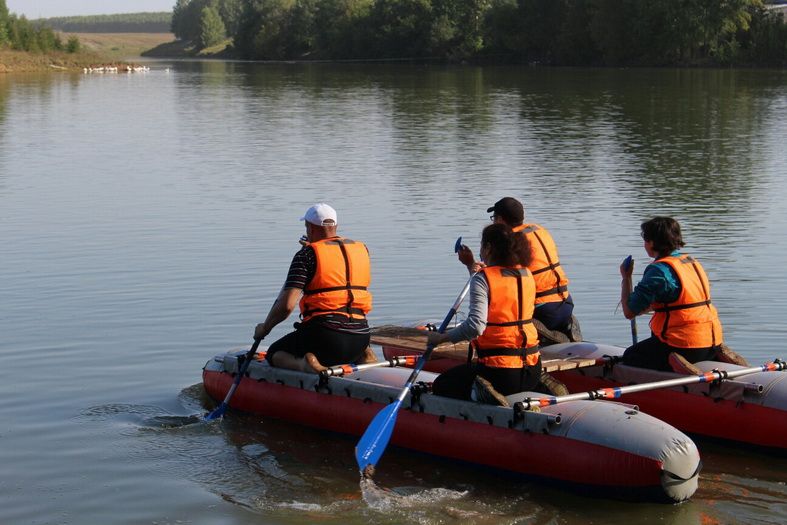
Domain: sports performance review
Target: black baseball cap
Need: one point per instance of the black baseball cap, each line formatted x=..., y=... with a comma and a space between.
x=510, y=209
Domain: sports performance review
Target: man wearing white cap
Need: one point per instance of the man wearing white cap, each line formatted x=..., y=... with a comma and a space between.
x=330, y=276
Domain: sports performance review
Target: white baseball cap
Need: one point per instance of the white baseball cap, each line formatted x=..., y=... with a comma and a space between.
x=320, y=215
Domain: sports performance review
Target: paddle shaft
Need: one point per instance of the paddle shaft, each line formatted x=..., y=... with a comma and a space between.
x=629, y=262
x=614, y=393
x=430, y=347
x=372, y=444
x=219, y=412
x=344, y=370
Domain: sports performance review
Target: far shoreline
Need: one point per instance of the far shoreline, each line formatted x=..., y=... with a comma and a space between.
x=96, y=49
x=127, y=49
x=26, y=62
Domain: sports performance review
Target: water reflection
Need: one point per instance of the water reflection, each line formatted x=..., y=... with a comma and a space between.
x=673, y=140
x=4, y=88
x=277, y=469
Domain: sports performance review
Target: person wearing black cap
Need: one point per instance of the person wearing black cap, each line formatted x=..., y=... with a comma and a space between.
x=554, y=305
x=329, y=279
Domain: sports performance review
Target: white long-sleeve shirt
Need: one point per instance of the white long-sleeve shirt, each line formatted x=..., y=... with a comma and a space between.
x=475, y=324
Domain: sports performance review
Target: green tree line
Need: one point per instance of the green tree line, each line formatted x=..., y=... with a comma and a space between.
x=559, y=32
x=18, y=33
x=158, y=22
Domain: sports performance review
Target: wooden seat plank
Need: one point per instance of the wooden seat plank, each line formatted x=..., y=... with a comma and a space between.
x=417, y=343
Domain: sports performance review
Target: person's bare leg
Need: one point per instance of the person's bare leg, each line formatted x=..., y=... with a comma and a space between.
x=681, y=365
x=368, y=356
x=727, y=355
x=286, y=360
x=312, y=364
x=307, y=363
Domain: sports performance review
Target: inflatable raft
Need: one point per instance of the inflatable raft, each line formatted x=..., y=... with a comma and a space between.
x=608, y=448
x=751, y=410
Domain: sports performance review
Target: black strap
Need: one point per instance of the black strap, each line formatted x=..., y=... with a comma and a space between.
x=344, y=311
x=350, y=296
x=681, y=306
x=546, y=268
x=692, y=475
x=552, y=291
x=340, y=241
x=495, y=352
x=512, y=323
x=706, y=293
x=553, y=266
x=333, y=289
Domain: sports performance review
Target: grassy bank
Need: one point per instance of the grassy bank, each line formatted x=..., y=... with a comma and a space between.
x=114, y=47
x=97, y=48
x=22, y=62
x=185, y=49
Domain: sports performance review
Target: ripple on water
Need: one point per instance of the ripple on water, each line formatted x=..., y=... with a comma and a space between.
x=277, y=469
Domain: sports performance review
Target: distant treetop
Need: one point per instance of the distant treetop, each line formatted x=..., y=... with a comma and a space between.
x=119, y=23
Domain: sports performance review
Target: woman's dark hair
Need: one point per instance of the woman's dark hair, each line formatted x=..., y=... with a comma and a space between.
x=664, y=233
x=506, y=247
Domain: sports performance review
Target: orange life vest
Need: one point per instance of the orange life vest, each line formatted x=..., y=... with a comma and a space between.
x=691, y=321
x=551, y=280
x=340, y=283
x=510, y=339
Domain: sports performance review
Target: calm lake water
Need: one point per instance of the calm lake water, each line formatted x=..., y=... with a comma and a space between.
x=147, y=222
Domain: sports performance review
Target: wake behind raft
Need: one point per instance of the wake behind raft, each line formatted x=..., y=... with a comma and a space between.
x=591, y=447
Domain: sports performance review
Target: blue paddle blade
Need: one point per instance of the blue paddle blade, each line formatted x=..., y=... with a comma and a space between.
x=219, y=412
x=458, y=244
x=372, y=444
